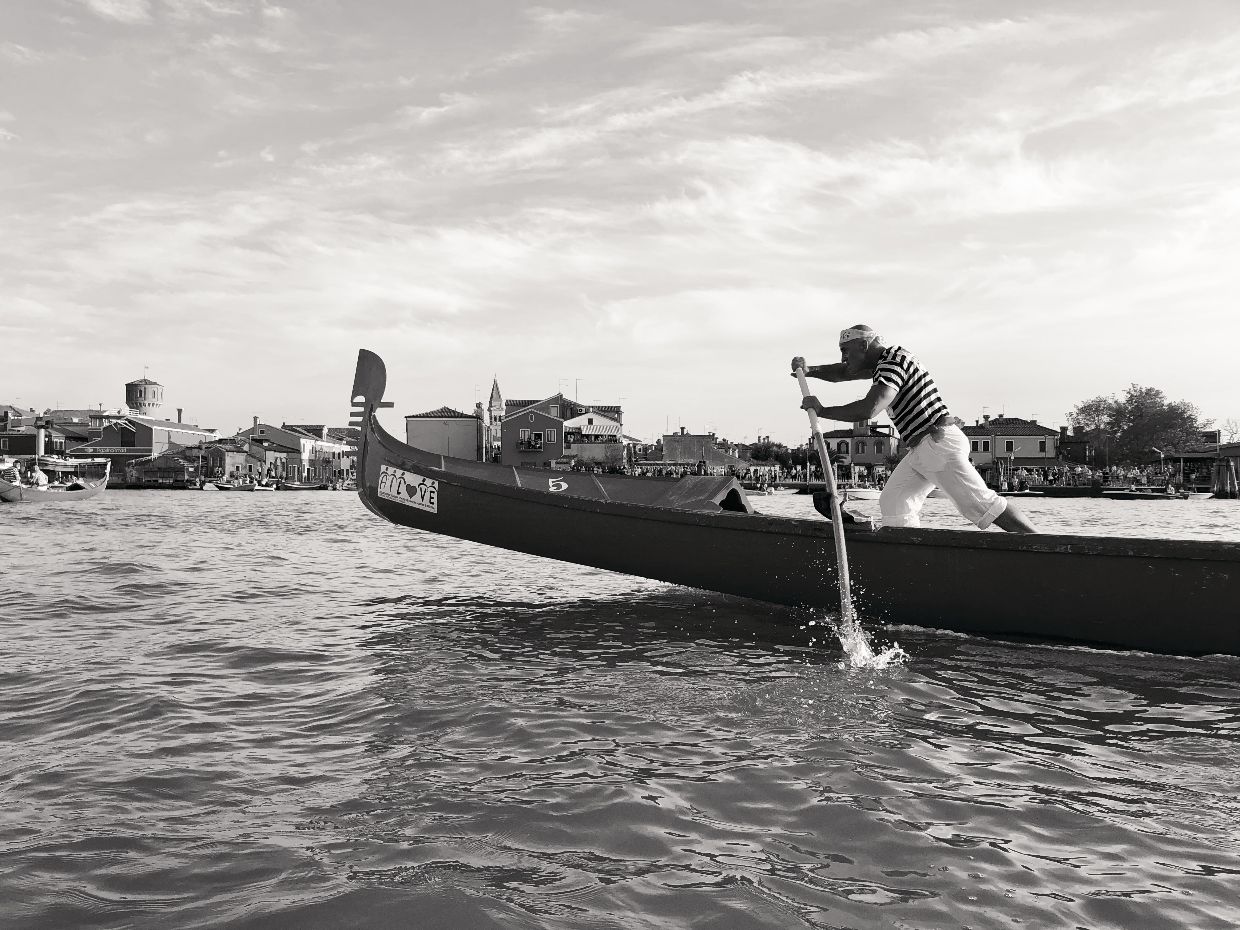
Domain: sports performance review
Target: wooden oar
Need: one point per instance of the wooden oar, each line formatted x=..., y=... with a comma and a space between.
x=837, y=519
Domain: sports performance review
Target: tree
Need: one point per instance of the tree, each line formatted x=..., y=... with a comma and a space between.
x=1127, y=430
x=1093, y=418
x=774, y=452
x=1230, y=429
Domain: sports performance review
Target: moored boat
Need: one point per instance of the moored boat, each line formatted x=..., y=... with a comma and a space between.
x=1175, y=596
x=856, y=492
x=72, y=480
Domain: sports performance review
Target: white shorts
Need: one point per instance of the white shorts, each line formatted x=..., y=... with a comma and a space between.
x=943, y=462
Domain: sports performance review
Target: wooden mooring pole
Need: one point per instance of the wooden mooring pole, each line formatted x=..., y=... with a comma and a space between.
x=1224, y=483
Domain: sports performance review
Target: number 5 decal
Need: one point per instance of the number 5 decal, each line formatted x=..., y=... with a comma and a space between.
x=557, y=484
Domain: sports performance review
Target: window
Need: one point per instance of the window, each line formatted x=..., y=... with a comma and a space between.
x=985, y=445
x=523, y=435
x=861, y=447
x=550, y=435
x=1008, y=445
x=841, y=446
x=531, y=418
x=538, y=437
x=555, y=411
x=973, y=444
x=1041, y=445
x=4, y=443
x=590, y=420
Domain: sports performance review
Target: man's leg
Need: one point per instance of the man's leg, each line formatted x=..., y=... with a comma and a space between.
x=1014, y=521
x=904, y=494
x=960, y=481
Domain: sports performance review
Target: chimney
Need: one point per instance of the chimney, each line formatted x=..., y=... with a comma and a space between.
x=179, y=409
x=323, y=432
x=1034, y=421
x=256, y=423
x=986, y=417
x=1063, y=432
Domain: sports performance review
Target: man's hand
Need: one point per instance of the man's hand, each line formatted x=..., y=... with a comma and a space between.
x=798, y=362
x=810, y=402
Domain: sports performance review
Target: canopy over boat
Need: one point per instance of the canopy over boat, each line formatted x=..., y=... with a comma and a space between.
x=1175, y=596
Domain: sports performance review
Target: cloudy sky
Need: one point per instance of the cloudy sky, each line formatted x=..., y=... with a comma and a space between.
x=644, y=202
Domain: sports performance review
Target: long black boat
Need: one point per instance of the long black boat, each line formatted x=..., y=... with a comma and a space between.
x=1172, y=596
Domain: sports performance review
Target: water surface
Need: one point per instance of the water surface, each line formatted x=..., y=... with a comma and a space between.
x=245, y=710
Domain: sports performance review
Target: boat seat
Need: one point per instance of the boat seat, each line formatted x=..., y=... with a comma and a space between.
x=705, y=492
x=822, y=503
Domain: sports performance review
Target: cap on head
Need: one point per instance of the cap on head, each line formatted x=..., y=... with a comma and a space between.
x=858, y=331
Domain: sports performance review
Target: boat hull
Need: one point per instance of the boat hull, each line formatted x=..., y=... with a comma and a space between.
x=20, y=494
x=1164, y=596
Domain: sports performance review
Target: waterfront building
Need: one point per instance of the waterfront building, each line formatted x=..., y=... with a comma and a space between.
x=594, y=439
x=14, y=416
x=270, y=459
x=230, y=459
x=1011, y=442
x=315, y=452
x=126, y=440
x=173, y=468
x=532, y=431
x=867, y=448
x=20, y=437
x=533, y=434
x=699, y=452
x=1076, y=447
x=450, y=432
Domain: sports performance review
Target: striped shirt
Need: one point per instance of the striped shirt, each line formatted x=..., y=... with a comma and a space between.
x=917, y=404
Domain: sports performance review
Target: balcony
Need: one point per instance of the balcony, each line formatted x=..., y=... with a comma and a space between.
x=529, y=445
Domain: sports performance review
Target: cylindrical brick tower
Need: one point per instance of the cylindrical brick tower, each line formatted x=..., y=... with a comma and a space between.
x=144, y=397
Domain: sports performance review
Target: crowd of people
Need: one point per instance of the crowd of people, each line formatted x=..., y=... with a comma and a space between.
x=1131, y=476
x=1019, y=479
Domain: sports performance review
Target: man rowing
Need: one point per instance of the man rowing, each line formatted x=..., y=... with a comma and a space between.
x=938, y=451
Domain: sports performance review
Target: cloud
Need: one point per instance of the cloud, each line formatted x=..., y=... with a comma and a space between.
x=562, y=22
x=121, y=11
x=700, y=195
x=19, y=54
x=203, y=10
x=688, y=37
x=451, y=105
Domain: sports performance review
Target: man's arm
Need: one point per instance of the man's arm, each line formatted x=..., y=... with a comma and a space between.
x=834, y=372
x=875, y=402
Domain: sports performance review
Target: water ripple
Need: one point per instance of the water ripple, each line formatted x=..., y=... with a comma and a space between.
x=225, y=712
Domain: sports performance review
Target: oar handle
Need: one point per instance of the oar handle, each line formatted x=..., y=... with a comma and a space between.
x=837, y=519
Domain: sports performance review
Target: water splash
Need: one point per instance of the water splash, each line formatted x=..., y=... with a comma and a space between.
x=858, y=651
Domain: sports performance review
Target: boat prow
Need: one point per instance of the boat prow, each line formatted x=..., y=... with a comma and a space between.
x=1175, y=596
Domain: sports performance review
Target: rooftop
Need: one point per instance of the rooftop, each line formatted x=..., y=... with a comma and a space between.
x=1008, y=426
x=441, y=413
